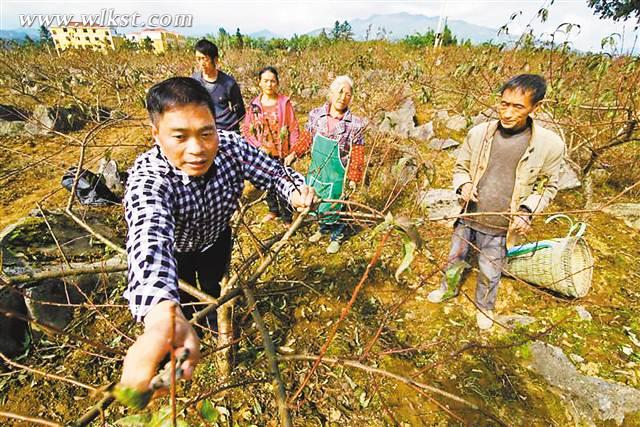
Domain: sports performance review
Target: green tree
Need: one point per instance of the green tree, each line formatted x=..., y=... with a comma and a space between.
x=323, y=37
x=448, y=39
x=335, y=33
x=616, y=9
x=147, y=44
x=429, y=38
x=345, y=31
x=128, y=44
x=341, y=31
x=239, y=42
x=223, y=40
x=45, y=36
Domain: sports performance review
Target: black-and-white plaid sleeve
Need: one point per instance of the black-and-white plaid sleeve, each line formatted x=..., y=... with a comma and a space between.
x=152, y=267
x=265, y=172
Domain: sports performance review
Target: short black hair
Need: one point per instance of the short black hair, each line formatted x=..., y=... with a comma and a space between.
x=176, y=92
x=271, y=70
x=207, y=48
x=532, y=83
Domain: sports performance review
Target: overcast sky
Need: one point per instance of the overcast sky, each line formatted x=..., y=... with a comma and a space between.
x=301, y=16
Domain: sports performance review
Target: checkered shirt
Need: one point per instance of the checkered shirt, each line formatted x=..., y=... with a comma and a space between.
x=168, y=211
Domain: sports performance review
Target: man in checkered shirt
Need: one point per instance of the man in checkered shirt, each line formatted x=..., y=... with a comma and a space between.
x=180, y=197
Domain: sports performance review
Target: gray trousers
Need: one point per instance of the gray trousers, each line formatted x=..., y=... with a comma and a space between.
x=492, y=251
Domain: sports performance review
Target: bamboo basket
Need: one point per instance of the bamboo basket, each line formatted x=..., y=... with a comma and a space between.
x=564, y=265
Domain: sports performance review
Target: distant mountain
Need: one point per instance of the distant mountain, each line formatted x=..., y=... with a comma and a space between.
x=265, y=34
x=20, y=34
x=400, y=25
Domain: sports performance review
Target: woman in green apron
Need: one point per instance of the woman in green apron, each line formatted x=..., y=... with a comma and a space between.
x=335, y=137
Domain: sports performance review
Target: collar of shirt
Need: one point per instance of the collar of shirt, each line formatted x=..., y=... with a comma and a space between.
x=327, y=108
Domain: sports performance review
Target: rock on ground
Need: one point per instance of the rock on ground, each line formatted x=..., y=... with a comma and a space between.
x=441, y=116
x=109, y=170
x=423, y=132
x=628, y=212
x=13, y=128
x=439, y=202
x=591, y=398
x=401, y=122
x=27, y=247
x=48, y=119
x=514, y=320
x=443, y=144
x=568, y=178
x=583, y=314
x=456, y=123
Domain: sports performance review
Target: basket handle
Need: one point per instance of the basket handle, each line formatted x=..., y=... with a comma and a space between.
x=575, y=229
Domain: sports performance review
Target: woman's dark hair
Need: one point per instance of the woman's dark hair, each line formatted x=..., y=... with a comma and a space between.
x=176, y=92
x=527, y=83
x=271, y=70
x=207, y=48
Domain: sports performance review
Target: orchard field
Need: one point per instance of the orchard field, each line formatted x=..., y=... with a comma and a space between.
x=389, y=357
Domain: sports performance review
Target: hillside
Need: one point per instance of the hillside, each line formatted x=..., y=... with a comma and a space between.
x=395, y=358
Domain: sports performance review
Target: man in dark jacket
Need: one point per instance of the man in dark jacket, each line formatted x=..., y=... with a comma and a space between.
x=223, y=88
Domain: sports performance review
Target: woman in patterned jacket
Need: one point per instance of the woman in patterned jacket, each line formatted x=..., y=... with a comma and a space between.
x=336, y=139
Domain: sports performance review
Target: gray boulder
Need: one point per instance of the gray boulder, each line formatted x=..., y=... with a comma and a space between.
x=456, y=123
x=568, y=178
x=628, y=212
x=400, y=122
x=591, y=399
x=441, y=116
x=27, y=247
x=11, y=128
x=423, y=132
x=514, y=320
x=405, y=170
x=439, y=202
x=443, y=144
x=46, y=119
x=583, y=313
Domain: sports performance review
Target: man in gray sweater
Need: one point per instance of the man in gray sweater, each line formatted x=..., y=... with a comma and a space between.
x=509, y=169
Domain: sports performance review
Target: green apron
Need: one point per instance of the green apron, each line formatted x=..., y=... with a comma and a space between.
x=326, y=175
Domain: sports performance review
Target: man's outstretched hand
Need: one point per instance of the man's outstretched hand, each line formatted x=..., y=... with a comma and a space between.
x=302, y=198
x=144, y=356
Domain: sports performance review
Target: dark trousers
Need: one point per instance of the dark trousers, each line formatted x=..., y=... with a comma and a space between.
x=277, y=204
x=492, y=251
x=335, y=230
x=208, y=267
